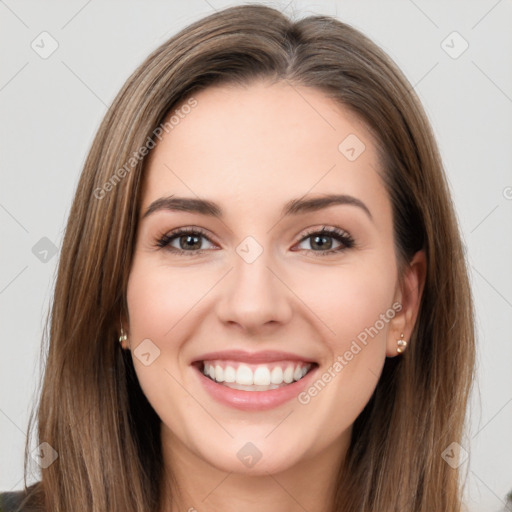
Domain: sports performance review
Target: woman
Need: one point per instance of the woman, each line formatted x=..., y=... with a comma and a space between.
x=262, y=299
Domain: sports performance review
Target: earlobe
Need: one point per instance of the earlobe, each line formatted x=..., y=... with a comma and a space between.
x=409, y=295
x=401, y=344
x=123, y=331
x=123, y=338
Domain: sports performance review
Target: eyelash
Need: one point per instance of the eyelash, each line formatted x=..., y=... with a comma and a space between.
x=338, y=234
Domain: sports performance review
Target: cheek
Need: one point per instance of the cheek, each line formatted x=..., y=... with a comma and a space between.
x=349, y=301
x=356, y=305
x=158, y=300
x=159, y=297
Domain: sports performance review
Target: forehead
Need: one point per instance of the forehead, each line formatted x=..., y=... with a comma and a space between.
x=262, y=144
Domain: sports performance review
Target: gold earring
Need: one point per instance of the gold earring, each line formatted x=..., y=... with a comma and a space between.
x=123, y=337
x=402, y=344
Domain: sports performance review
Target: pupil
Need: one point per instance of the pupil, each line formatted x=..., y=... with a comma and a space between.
x=188, y=245
x=321, y=245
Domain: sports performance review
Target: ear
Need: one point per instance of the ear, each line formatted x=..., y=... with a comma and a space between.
x=408, y=294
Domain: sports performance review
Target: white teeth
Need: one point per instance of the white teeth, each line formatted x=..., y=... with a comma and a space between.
x=288, y=374
x=261, y=379
x=244, y=375
x=262, y=376
x=277, y=375
x=219, y=373
x=229, y=374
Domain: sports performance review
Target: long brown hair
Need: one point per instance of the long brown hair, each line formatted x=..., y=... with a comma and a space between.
x=92, y=410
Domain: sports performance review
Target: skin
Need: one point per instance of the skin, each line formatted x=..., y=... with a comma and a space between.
x=251, y=149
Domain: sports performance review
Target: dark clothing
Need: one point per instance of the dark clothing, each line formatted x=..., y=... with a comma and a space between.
x=11, y=501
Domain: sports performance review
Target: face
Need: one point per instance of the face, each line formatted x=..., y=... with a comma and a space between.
x=263, y=283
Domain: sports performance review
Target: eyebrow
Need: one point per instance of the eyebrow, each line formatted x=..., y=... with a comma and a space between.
x=292, y=207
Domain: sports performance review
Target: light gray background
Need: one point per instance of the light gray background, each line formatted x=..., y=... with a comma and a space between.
x=51, y=108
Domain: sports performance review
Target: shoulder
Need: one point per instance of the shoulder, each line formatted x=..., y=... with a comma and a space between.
x=13, y=501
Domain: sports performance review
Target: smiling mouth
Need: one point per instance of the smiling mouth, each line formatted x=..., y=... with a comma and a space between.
x=254, y=377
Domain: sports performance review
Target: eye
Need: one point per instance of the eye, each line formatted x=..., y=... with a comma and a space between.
x=321, y=241
x=189, y=241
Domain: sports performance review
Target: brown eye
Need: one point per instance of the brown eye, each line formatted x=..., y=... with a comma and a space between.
x=322, y=241
x=184, y=241
x=189, y=241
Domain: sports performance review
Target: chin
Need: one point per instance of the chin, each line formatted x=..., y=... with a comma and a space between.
x=255, y=456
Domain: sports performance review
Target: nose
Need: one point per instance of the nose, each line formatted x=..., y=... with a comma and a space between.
x=254, y=295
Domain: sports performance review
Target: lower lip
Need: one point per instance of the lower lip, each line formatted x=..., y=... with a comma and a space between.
x=255, y=400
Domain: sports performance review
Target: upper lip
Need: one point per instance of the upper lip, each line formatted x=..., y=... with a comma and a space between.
x=266, y=356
